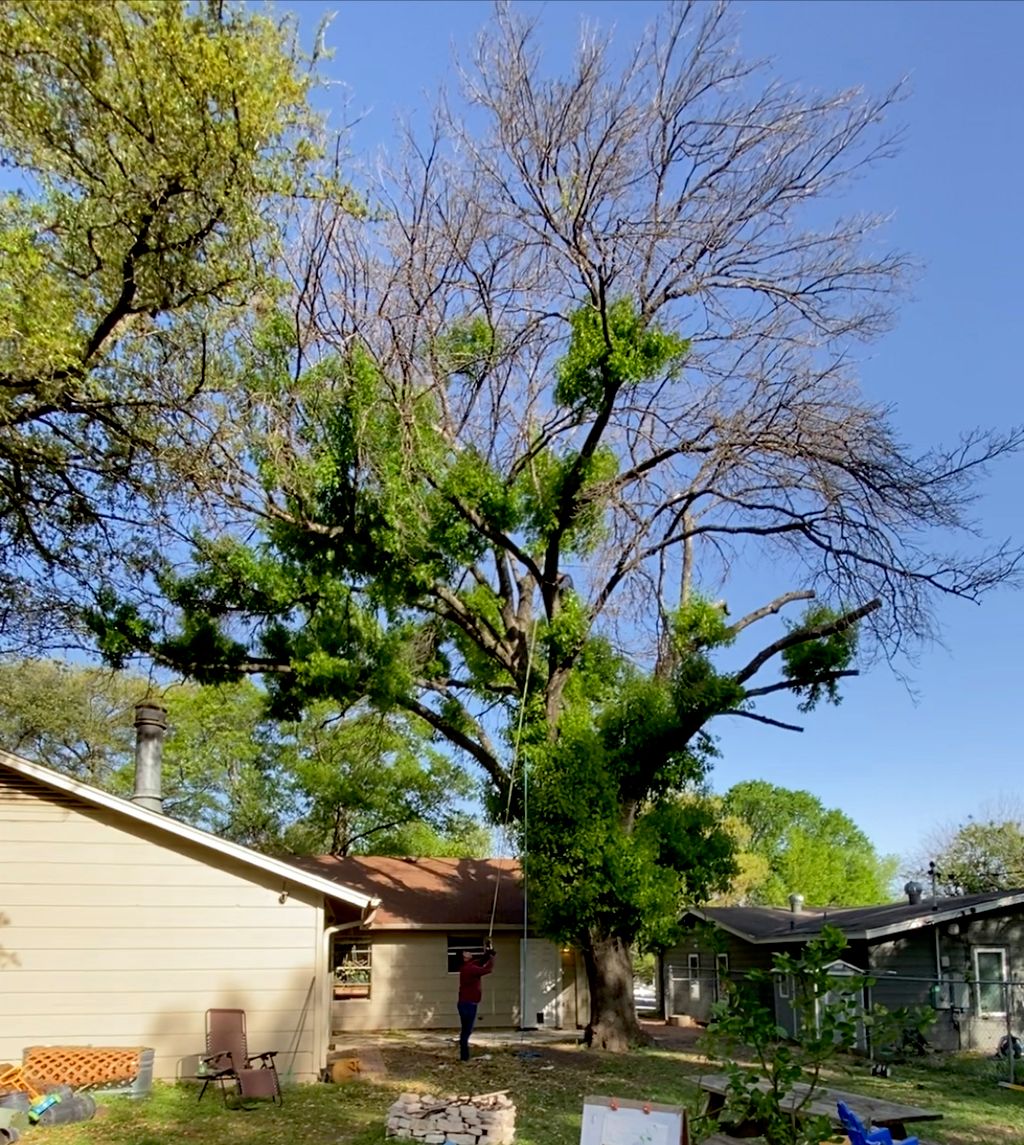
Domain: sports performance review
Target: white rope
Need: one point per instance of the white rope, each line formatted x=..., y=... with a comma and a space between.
x=511, y=785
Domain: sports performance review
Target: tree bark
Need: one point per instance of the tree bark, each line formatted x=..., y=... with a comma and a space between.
x=613, y=1024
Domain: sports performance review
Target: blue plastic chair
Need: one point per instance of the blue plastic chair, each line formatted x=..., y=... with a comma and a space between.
x=859, y=1133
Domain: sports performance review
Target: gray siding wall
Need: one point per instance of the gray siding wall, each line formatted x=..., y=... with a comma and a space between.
x=692, y=993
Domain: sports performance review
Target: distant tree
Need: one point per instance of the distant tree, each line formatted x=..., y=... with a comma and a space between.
x=73, y=718
x=374, y=784
x=981, y=854
x=145, y=148
x=326, y=784
x=791, y=843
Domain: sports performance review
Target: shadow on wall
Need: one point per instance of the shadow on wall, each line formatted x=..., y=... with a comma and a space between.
x=164, y=1028
x=7, y=957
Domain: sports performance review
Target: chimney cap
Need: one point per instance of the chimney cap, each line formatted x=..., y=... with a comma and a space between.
x=796, y=903
x=913, y=891
x=150, y=712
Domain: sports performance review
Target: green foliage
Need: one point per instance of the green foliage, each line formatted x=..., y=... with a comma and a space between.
x=468, y=348
x=797, y=845
x=982, y=856
x=611, y=850
x=372, y=785
x=899, y=1034
x=148, y=144
x=332, y=783
x=827, y=1019
x=118, y=628
x=543, y=495
x=76, y=720
x=605, y=355
x=700, y=625
x=811, y=664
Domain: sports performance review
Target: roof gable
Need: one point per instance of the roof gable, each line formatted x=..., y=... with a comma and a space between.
x=93, y=796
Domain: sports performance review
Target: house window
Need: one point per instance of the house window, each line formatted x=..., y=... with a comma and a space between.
x=721, y=974
x=352, y=969
x=693, y=966
x=457, y=944
x=784, y=982
x=990, y=974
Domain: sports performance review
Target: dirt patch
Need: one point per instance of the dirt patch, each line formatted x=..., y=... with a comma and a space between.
x=666, y=1037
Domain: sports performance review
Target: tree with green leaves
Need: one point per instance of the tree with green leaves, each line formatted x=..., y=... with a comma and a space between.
x=593, y=344
x=373, y=785
x=798, y=846
x=984, y=853
x=74, y=718
x=148, y=146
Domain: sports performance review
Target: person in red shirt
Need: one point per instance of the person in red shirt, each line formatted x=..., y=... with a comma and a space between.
x=471, y=972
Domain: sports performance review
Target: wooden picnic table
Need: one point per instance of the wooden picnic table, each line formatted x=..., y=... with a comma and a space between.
x=876, y=1111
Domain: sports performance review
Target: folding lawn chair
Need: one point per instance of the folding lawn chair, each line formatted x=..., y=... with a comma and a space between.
x=228, y=1060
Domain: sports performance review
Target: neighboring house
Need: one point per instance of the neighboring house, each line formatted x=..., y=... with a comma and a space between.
x=401, y=971
x=963, y=956
x=122, y=926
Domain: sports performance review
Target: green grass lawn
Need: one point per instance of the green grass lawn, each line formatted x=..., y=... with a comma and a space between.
x=548, y=1091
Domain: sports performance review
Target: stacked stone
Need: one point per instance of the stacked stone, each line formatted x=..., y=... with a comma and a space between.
x=483, y=1119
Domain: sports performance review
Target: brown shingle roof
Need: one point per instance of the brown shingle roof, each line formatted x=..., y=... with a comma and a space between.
x=439, y=893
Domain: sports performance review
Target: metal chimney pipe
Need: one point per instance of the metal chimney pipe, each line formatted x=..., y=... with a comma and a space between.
x=150, y=725
x=796, y=903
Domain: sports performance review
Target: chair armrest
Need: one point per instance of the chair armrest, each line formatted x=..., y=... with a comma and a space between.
x=220, y=1062
x=267, y=1055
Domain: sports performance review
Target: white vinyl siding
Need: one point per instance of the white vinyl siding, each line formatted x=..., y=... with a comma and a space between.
x=114, y=933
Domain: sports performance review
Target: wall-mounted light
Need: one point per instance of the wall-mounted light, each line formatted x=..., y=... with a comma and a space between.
x=953, y=929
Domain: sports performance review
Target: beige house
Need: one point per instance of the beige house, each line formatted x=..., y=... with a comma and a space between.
x=122, y=926
x=401, y=970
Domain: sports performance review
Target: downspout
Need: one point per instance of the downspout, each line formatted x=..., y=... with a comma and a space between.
x=365, y=919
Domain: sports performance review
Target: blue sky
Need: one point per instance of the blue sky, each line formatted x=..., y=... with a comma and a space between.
x=897, y=763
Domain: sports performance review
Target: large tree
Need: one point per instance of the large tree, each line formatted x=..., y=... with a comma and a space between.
x=587, y=349
x=146, y=147
x=983, y=853
x=790, y=843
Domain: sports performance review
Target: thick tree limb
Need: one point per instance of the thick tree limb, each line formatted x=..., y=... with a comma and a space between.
x=479, y=748
x=793, y=685
x=776, y=605
x=802, y=635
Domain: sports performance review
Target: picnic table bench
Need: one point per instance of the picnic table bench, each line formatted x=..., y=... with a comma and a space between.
x=890, y=1115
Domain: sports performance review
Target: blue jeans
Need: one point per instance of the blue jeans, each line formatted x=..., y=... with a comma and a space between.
x=467, y=1018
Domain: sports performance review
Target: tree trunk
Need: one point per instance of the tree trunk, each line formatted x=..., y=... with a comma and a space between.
x=613, y=1025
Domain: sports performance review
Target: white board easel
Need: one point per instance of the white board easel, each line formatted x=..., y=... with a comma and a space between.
x=616, y=1121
